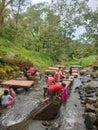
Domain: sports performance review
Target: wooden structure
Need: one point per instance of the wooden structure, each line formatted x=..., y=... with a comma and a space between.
x=52, y=68
x=18, y=84
x=47, y=72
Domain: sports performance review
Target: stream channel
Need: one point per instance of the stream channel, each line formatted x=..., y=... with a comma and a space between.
x=69, y=117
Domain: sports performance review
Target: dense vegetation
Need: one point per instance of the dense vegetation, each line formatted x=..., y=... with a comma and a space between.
x=44, y=33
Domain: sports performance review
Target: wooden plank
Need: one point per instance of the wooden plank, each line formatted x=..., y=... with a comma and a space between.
x=71, y=78
x=52, y=68
x=75, y=74
x=18, y=83
x=50, y=72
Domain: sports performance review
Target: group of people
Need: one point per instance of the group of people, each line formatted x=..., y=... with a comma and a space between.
x=8, y=97
x=55, y=87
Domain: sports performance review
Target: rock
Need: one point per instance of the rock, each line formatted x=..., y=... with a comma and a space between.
x=92, y=85
x=89, y=108
x=96, y=105
x=90, y=119
x=91, y=100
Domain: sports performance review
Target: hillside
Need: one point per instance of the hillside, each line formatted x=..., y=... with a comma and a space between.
x=15, y=56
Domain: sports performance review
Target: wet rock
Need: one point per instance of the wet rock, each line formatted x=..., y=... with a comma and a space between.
x=97, y=94
x=82, y=71
x=92, y=85
x=46, y=123
x=91, y=100
x=89, y=91
x=90, y=119
x=49, y=112
x=96, y=110
x=89, y=108
x=90, y=95
x=96, y=104
x=83, y=102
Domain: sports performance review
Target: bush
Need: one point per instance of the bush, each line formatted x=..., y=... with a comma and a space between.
x=3, y=73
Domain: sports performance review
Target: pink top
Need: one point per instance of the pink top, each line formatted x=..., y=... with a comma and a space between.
x=12, y=92
x=64, y=95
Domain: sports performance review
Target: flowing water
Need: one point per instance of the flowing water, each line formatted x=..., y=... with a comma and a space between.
x=72, y=112
x=70, y=117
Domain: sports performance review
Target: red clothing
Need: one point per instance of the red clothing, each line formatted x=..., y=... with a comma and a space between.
x=31, y=70
x=55, y=88
x=50, y=81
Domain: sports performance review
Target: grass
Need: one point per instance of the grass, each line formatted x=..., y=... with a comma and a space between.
x=38, y=58
x=86, y=61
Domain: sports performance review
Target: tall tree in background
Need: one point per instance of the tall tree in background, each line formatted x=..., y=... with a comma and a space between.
x=3, y=5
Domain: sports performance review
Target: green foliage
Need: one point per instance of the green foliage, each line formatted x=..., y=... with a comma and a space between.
x=86, y=61
x=41, y=35
x=8, y=69
x=2, y=74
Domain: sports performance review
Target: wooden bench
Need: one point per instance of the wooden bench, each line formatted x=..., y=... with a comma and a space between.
x=18, y=84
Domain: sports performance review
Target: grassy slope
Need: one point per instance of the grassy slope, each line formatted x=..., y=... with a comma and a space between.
x=38, y=59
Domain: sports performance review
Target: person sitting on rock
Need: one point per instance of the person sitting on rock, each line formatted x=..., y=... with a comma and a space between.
x=6, y=99
x=31, y=71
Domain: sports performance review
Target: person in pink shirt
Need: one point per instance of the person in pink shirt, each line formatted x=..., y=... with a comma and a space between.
x=64, y=95
x=59, y=74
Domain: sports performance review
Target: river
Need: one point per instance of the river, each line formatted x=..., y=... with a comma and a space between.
x=70, y=117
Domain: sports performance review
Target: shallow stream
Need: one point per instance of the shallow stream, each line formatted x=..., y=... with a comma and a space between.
x=70, y=117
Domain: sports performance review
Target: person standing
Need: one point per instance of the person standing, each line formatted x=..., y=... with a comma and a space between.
x=50, y=81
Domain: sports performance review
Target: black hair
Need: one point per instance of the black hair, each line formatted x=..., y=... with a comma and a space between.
x=6, y=92
x=63, y=84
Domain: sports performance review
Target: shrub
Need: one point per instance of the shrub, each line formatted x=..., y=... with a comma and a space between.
x=3, y=73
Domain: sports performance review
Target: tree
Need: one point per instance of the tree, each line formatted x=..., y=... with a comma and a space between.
x=3, y=5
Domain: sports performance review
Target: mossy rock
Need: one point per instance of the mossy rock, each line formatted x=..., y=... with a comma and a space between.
x=95, y=65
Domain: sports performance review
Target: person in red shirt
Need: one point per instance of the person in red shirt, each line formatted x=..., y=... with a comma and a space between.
x=50, y=81
x=54, y=90
x=32, y=71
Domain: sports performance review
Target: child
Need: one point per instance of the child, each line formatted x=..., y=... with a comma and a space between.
x=6, y=99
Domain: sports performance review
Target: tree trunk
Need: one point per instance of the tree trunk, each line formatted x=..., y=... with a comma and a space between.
x=2, y=15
